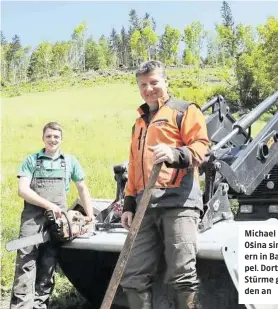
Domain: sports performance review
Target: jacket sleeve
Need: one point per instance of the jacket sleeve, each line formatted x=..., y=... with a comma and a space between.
x=130, y=192
x=194, y=135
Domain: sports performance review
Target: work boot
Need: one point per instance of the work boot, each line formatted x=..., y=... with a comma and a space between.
x=185, y=300
x=139, y=300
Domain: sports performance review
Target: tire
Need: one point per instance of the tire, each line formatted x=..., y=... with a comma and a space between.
x=89, y=271
x=217, y=290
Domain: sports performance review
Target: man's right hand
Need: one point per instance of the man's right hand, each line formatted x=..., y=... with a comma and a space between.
x=56, y=209
x=126, y=219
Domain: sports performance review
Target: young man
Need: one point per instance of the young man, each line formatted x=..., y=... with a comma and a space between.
x=43, y=183
x=175, y=133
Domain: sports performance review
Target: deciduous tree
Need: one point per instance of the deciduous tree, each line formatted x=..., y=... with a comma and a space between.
x=169, y=45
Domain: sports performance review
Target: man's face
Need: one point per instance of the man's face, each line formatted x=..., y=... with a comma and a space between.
x=152, y=86
x=52, y=140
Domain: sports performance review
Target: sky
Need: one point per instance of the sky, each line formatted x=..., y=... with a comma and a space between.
x=35, y=21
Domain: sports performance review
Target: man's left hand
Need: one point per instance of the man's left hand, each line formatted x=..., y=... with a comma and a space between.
x=162, y=153
x=91, y=224
x=88, y=219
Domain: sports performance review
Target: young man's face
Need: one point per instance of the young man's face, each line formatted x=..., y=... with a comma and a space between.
x=52, y=140
x=152, y=86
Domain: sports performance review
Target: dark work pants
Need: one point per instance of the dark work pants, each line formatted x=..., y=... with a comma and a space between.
x=171, y=232
x=35, y=266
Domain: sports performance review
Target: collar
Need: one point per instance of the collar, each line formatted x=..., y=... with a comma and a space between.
x=41, y=154
x=144, y=108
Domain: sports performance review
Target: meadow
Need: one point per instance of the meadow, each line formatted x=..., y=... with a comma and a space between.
x=97, y=126
x=97, y=122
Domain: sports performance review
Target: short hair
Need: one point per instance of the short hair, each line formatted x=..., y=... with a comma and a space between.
x=53, y=126
x=150, y=66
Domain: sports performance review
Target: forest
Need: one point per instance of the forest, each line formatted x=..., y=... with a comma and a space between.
x=246, y=56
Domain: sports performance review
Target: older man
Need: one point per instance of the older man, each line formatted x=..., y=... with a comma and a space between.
x=173, y=132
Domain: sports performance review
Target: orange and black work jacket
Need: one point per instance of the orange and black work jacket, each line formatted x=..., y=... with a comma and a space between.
x=181, y=126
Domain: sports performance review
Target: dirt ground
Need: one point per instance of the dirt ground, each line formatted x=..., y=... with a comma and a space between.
x=5, y=304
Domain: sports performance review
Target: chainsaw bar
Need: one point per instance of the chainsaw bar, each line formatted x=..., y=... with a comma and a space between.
x=32, y=240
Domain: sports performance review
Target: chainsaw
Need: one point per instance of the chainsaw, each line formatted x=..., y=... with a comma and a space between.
x=70, y=225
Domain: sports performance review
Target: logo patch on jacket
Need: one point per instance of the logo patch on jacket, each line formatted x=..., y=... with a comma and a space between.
x=160, y=122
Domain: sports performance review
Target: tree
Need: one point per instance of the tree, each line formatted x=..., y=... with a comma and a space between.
x=15, y=45
x=212, y=49
x=124, y=47
x=95, y=57
x=106, y=51
x=149, y=39
x=22, y=60
x=142, y=37
x=227, y=43
x=134, y=20
x=227, y=17
x=169, y=45
x=14, y=60
x=194, y=35
x=78, y=47
x=226, y=35
x=113, y=40
x=13, y=52
x=60, y=60
x=115, y=47
x=3, y=39
x=256, y=67
x=4, y=49
x=149, y=21
x=41, y=61
x=142, y=42
x=245, y=39
x=137, y=48
x=269, y=36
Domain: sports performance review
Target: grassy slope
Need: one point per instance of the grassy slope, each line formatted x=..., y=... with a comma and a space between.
x=97, y=127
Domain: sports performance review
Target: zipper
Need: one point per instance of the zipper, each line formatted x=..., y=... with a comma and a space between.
x=142, y=161
x=176, y=176
x=139, y=138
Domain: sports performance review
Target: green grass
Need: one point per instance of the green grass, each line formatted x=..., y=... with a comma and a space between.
x=97, y=126
x=257, y=127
